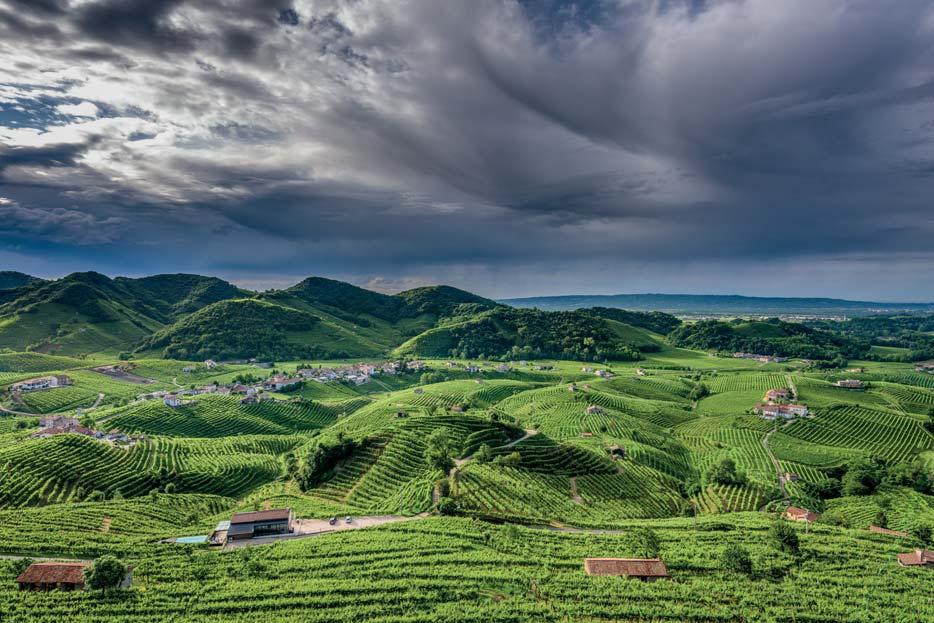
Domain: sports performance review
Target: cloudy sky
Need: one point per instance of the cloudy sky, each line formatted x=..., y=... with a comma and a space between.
x=511, y=147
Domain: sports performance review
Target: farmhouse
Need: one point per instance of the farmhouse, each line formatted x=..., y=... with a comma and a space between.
x=925, y=366
x=503, y=368
x=604, y=374
x=593, y=410
x=47, y=576
x=58, y=421
x=850, y=384
x=646, y=569
x=775, y=395
x=793, y=513
x=261, y=523
x=881, y=530
x=616, y=451
x=210, y=364
x=640, y=372
x=281, y=381
x=53, y=431
x=770, y=412
x=790, y=477
x=45, y=382
x=917, y=558
x=172, y=400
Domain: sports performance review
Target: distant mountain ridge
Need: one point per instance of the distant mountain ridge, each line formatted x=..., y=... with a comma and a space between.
x=717, y=304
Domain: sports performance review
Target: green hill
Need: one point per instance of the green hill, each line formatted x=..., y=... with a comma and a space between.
x=237, y=329
x=11, y=279
x=772, y=337
x=505, y=332
x=89, y=312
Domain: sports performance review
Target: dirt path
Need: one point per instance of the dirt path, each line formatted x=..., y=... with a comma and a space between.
x=792, y=387
x=778, y=466
x=100, y=398
x=574, y=494
x=529, y=432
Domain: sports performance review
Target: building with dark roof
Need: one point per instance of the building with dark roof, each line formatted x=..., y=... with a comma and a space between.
x=260, y=523
x=646, y=569
x=46, y=576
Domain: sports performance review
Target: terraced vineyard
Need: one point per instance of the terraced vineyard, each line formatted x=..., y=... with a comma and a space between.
x=532, y=447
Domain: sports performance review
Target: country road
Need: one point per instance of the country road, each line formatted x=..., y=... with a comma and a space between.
x=778, y=467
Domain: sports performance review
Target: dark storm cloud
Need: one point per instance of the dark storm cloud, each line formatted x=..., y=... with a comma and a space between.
x=60, y=155
x=411, y=133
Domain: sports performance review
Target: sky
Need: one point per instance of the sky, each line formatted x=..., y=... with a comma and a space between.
x=509, y=147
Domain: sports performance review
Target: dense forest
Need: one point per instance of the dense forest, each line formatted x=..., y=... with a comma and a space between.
x=915, y=333
x=771, y=337
x=236, y=329
x=528, y=333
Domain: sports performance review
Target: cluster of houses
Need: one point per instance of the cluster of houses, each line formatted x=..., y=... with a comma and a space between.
x=60, y=425
x=359, y=373
x=850, y=384
x=760, y=358
x=41, y=383
x=603, y=374
x=778, y=404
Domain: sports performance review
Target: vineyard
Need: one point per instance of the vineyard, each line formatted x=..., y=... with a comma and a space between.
x=457, y=570
x=556, y=448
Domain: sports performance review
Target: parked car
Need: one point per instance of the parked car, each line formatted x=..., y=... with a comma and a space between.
x=332, y=520
x=348, y=519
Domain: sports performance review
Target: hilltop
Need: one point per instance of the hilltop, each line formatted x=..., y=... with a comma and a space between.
x=12, y=279
x=191, y=316
x=701, y=304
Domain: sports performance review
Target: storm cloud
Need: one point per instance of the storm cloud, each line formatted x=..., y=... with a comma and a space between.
x=507, y=146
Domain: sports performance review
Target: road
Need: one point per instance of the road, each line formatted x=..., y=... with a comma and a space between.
x=778, y=466
x=306, y=528
x=100, y=398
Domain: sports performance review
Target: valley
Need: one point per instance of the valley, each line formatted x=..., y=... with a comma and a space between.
x=513, y=462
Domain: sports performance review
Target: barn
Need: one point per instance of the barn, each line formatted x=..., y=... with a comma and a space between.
x=260, y=523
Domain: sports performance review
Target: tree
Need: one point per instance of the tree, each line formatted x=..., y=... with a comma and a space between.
x=921, y=533
x=881, y=519
x=484, y=454
x=736, y=558
x=439, y=451
x=447, y=506
x=725, y=473
x=170, y=488
x=861, y=478
x=784, y=537
x=645, y=542
x=107, y=572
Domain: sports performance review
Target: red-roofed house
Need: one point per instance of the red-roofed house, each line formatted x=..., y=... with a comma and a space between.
x=793, y=513
x=917, y=558
x=646, y=569
x=46, y=576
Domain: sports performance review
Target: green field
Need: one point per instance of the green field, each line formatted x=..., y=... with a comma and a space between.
x=529, y=447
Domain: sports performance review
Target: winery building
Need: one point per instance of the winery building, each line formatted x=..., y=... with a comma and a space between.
x=261, y=523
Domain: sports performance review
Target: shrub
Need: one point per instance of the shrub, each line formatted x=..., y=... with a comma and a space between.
x=737, y=559
x=107, y=572
x=784, y=537
x=645, y=542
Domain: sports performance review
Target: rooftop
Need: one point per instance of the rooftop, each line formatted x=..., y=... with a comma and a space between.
x=636, y=567
x=277, y=514
x=53, y=573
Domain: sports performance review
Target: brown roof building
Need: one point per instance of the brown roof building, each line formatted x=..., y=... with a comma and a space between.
x=646, y=569
x=46, y=576
x=793, y=513
x=880, y=530
x=917, y=558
